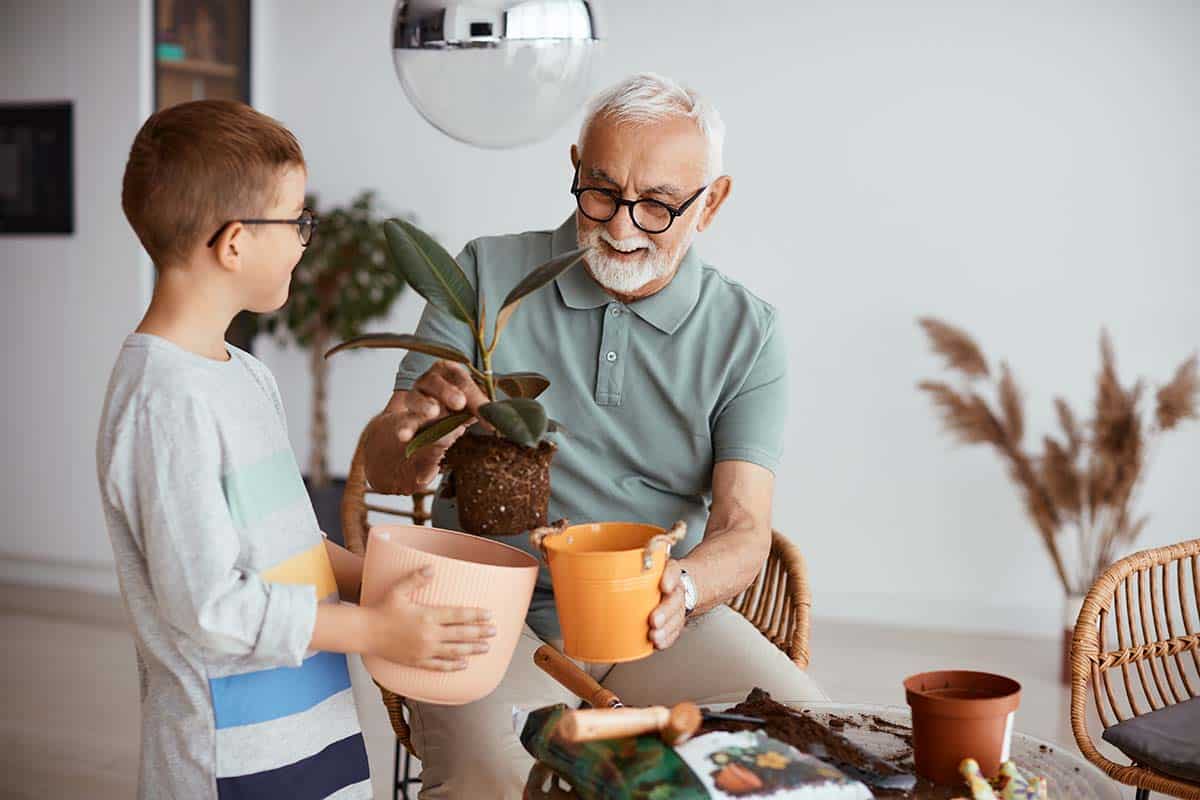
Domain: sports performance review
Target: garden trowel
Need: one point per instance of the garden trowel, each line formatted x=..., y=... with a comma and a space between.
x=608, y=718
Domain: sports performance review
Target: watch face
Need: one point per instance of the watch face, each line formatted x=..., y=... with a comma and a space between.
x=689, y=591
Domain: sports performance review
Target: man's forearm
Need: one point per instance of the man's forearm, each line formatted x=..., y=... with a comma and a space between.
x=738, y=539
x=728, y=560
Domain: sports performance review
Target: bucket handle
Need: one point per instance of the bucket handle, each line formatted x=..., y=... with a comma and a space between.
x=537, y=536
x=671, y=538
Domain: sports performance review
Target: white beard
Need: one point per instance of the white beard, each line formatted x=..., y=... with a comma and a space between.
x=627, y=276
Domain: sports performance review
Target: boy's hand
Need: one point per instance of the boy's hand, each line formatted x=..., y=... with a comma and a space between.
x=427, y=637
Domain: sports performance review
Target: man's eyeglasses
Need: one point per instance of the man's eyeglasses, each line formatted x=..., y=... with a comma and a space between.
x=306, y=225
x=649, y=216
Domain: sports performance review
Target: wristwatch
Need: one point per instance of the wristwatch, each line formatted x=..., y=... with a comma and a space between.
x=689, y=592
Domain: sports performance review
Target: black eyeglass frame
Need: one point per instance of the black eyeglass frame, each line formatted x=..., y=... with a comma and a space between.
x=619, y=201
x=312, y=221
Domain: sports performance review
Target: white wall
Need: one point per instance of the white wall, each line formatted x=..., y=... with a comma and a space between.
x=1030, y=172
x=67, y=301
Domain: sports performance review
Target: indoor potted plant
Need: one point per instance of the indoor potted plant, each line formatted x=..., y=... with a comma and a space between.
x=500, y=472
x=343, y=281
x=1083, y=482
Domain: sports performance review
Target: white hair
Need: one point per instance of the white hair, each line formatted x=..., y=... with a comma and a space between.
x=649, y=97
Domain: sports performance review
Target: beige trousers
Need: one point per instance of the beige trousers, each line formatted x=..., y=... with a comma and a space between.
x=472, y=751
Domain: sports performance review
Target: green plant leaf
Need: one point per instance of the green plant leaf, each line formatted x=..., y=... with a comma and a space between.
x=520, y=419
x=535, y=280
x=432, y=271
x=522, y=384
x=434, y=431
x=403, y=341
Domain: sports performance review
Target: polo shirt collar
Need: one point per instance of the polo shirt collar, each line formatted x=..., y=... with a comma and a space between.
x=666, y=309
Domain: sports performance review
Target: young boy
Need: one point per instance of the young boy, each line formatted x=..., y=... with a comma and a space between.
x=233, y=591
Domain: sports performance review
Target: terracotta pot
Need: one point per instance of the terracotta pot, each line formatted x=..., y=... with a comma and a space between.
x=607, y=578
x=502, y=488
x=467, y=572
x=958, y=714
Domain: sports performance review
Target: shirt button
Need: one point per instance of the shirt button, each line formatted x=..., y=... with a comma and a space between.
x=611, y=356
x=616, y=311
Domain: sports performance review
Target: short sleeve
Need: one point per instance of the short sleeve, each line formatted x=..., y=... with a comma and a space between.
x=750, y=426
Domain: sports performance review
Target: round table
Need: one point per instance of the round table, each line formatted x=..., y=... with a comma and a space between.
x=885, y=731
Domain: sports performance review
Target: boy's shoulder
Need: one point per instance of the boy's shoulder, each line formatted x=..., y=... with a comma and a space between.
x=255, y=366
x=155, y=374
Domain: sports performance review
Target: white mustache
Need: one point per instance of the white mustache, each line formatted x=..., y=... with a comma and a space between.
x=627, y=245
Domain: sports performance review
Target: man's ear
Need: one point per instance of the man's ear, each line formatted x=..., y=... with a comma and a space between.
x=718, y=192
x=228, y=247
x=574, y=156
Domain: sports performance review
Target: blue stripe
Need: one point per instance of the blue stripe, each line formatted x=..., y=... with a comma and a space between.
x=340, y=765
x=254, y=697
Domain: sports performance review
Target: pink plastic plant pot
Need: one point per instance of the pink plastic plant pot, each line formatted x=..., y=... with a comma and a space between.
x=468, y=571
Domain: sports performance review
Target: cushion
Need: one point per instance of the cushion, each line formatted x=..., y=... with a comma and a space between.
x=1166, y=740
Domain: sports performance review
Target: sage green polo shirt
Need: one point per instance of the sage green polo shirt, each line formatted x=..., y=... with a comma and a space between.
x=652, y=393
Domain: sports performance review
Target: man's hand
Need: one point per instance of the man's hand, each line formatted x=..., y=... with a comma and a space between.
x=446, y=388
x=666, y=621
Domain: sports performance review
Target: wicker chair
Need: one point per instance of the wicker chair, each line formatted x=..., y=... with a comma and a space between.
x=777, y=603
x=1148, y=605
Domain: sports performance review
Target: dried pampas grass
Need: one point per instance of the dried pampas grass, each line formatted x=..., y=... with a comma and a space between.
x=1087, y=480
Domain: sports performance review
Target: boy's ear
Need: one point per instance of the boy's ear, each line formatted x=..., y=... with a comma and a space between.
x=228, y=247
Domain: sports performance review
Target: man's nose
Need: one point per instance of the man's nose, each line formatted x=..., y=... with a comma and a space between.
x=621, y=225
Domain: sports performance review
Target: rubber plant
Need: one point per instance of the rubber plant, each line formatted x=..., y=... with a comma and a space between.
x=499, y=473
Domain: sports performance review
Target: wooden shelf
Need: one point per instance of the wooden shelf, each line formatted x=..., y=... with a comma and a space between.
x=205, y=69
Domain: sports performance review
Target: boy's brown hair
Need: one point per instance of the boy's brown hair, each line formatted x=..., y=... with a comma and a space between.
x=195, y=166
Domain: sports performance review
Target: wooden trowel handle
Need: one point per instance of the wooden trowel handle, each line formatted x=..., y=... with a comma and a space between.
x=563, y=670
x=676, y=725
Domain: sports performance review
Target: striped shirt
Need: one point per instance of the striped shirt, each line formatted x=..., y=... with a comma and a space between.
x=222, y=565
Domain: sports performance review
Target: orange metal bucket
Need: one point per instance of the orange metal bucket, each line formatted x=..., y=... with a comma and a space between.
x=607, y=578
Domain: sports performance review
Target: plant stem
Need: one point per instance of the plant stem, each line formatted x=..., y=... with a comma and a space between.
x=1051, y=523
x=477, y=372
x=488, y=377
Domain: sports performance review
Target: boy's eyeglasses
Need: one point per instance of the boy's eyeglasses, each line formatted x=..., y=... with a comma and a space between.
x=306, y=225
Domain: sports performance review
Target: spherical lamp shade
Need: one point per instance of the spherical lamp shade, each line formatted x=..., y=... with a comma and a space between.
x=495, y=73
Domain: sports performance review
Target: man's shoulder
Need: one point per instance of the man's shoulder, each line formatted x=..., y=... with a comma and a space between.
x=732, y=301
x=511, y=252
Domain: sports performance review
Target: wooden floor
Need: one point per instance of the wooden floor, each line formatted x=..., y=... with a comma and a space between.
x=70, y=694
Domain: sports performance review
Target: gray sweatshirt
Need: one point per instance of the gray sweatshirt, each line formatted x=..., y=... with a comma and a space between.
x=222, y=565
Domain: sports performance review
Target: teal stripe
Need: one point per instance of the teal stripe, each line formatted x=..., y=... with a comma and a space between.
x=260, y=490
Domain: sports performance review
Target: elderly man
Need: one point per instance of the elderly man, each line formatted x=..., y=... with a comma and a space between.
x=672, y=380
